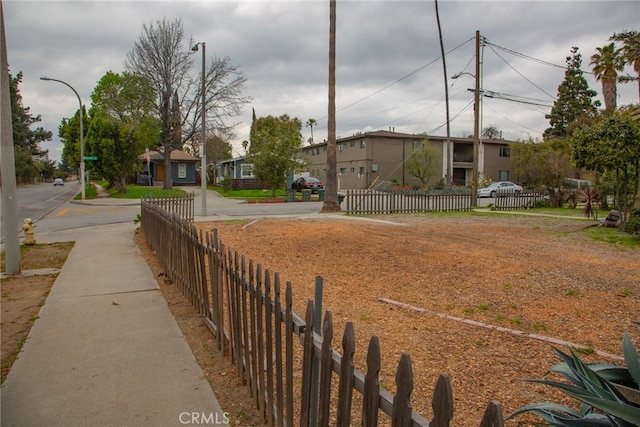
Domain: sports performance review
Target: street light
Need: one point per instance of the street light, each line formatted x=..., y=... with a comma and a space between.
x=203, y=146
x=476, y=123
x=81, y=133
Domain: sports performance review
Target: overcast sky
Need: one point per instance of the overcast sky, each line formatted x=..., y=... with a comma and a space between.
x=389, y=72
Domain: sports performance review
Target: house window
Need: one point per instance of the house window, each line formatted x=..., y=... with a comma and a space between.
x=504, y=175
x=352, y=170
x=246, y=170
x=353, y=144
x=343, y=171
x=505, y=152
x=361, y=170
x=182, y=170
x=362, y=144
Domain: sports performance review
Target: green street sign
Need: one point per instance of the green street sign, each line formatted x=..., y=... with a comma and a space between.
x=91, y=157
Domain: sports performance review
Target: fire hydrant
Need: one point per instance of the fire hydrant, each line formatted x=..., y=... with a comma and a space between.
x=29, y=227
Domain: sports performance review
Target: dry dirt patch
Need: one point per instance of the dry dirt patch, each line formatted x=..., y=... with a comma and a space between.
x=22, y=296
x=538, y=275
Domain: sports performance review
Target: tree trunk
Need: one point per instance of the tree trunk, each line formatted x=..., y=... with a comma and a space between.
x=167, y=167
x=331, y=203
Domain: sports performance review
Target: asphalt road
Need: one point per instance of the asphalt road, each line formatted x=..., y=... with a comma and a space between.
x=38, y=200
x=53, y=208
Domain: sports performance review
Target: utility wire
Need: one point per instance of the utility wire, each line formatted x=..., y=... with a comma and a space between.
x=400, y=79
x=520, y=74
x=522, y=55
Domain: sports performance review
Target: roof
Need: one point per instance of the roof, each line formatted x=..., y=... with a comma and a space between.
x=176, y=155
x=407, y=136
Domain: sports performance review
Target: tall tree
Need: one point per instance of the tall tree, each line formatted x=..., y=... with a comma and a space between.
x=69, y=134
x=330, y=203
x=612, y=144
x=631, y=52
x=26, y=141
x=310, y=124
x=607, y=62
x=123, y=123
x=159, y=55
x=574, y=99
x=275, y=145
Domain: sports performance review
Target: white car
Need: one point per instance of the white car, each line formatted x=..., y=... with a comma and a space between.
x=499, y=187
x=58, y=181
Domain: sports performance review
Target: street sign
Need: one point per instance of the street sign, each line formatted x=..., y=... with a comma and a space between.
x=91, y=157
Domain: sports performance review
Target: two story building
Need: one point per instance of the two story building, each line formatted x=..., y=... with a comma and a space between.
x=372, y=158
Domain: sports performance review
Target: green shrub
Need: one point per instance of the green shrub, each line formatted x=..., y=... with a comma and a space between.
x=226, y=183
x=606, y=392
x=633, y=224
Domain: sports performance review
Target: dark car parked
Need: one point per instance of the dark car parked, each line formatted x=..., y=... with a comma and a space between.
x=307, y=183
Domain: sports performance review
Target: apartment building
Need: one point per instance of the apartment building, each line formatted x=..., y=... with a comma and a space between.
x=379, y=157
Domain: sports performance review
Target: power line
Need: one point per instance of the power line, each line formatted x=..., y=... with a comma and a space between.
x=519, y=73
x=522, y=55
x=399, y=80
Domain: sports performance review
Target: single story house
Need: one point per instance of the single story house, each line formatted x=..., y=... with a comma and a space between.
x=183, y=167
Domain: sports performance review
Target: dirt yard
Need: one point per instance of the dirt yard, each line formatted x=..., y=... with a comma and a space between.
x=537, y=275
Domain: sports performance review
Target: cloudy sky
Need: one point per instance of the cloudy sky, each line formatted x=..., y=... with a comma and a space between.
x=389, y=72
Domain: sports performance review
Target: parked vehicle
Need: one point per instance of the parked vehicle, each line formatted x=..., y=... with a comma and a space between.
x=499, y=187
x=307, y=183
x=58, y=181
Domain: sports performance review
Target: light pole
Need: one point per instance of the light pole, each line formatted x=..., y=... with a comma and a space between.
x=203, y=146
x=81, y=133
x=476, y=123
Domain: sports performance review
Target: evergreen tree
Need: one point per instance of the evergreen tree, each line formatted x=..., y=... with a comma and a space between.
x=25, y=140
x=574, y=99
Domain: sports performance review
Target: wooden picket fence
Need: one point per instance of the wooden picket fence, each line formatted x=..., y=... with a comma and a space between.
x=182, y=206
x=524, y=200
x=364, y=202
x=255, y=325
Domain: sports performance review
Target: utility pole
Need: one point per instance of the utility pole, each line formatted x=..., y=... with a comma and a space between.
x=203, y=145
x=7, y=160
x=476, y=126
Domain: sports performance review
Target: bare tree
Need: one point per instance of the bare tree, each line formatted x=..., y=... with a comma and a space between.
x=158, y=55
x=490, y=132
x=161, y=55
x=331, y=203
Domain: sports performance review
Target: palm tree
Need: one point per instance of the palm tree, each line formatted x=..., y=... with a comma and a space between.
x=607, y=62
x=331, y=203
x=311, y=123
x=631, y=53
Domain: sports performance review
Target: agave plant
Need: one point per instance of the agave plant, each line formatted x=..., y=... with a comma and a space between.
x=608, y=393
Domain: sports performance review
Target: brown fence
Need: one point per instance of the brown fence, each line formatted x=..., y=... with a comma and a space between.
x=182, y=206
x=362, y=202
x=250, y=314
x=523, y=200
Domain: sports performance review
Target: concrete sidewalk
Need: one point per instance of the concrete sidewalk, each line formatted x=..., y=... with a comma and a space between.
x=105, y=350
